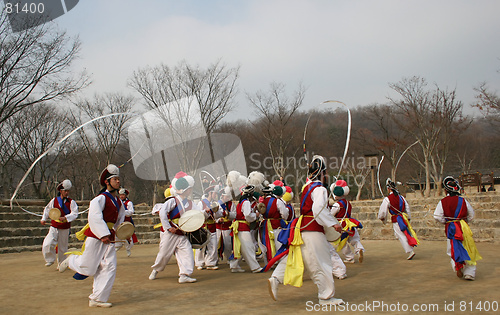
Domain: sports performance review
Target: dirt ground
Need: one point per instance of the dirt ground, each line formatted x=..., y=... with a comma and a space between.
x=384, y=283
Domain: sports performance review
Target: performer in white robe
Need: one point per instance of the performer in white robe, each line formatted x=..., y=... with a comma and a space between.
x=129, y=211
x=243, y=241
x=223, y=224
x=106, y=213
x=396, y=206
x=206, y=257
x=315, y=248
x=59, y=230
x=173, y=240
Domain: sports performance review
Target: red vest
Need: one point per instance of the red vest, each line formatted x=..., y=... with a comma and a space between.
x=398, y=204
x=109, y=214
x=272, y=213
x=225, y=224
x=450, y=204
x=343, y=212
x=306, y=204
x=61, y=225
x=243, y=226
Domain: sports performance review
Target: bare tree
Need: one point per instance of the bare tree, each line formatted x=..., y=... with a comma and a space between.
x=103, y=136
x=35, y=67
x=488, y=102
x=41, y=127
x=386, y=137
x=276, y=110
x=213, y=88
x=432, y=118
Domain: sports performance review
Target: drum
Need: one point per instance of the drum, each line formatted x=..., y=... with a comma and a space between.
x=199, y=238
x=54, y=214
x=331, y=234
x=261, y=207
x=191, y=220
x=125, y=230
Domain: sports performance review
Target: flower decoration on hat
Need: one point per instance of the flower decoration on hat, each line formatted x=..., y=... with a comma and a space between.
x=182, y=182
x=340, y=188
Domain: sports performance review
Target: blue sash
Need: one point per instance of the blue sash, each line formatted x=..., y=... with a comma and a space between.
x=313, y=185
x=63, y=206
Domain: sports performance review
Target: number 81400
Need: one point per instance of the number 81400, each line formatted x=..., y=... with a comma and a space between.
x=481, y=306
x=24, y=8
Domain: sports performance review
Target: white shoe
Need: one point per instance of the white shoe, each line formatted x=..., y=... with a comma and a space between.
x=257, y=270
x=129, y=253
x=186, y=279
x=349, y=261
x=342, y=277
x=236, y=270
x=272, y=284
x=412, y=254
x=93, y=303
x=469, y=277
x=153, y=274
x=331, y=301
x=49, y=264
x=64, y=264
x=200, y=268
x=212, y=267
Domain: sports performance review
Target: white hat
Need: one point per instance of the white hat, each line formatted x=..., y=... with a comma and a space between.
x=109, y=172
x=65, y=185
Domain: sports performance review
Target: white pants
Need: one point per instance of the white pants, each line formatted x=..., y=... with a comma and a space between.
x=355, y=242
x=339, y=268
x=128, y=244
x=247, y=251
x=225, y=235
x=277, y=244
x=180, y=246
x=402, y=238
x=207, y=256
x=317, y=260
x=55, y=237
x=98, y=260
x=468, y=270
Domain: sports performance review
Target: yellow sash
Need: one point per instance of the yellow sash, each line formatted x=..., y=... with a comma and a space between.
x=469, y=244
x=340, y=243
x=81, y=236
x=270, y=232
x=412, y=232
x=176, y=221
x=295, y=265
x=236, y=239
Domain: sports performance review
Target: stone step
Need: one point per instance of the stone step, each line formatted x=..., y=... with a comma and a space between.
x=14, y=241
x=16, y=229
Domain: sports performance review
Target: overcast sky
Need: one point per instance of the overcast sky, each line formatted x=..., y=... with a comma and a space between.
x=342, y=50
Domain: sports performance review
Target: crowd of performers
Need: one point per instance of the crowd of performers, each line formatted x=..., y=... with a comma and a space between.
x=250, y=219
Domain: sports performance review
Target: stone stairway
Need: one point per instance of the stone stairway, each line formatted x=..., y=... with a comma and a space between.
x=21, y=231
